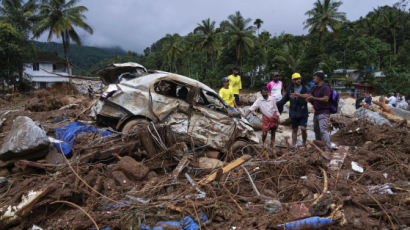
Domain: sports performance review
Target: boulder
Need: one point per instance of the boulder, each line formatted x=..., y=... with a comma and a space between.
x=25, y=140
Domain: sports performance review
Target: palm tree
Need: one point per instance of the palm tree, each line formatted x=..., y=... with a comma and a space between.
x=208, y=39
x=60, y=18
x=20, y=14
x=240, y=34
x=390, y=22
x=258, y=23
x=324, y=16
x=172, y=49
x=292, y=55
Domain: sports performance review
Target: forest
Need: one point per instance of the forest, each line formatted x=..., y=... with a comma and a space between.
x=378, y=41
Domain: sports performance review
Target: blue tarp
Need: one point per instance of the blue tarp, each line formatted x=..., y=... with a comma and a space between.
x=68, y=133
x=185, y=224
x=314, y=222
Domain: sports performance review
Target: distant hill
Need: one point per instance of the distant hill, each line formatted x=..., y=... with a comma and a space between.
x=83, y=58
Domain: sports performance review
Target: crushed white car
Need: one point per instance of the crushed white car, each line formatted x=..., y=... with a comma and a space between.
x=190, y=108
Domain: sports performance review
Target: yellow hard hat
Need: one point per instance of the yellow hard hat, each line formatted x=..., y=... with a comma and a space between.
x=296, y=75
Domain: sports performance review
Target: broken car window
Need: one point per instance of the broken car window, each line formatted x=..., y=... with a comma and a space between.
x=173, y=89
x=211, y=101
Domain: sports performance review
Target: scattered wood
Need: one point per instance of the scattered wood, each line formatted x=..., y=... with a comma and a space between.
x=325, y=184
x=227, y=168
x=322, y=153
x=181, y=165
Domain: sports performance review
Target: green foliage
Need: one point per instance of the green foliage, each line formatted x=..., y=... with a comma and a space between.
x=14, y=49
x=378, y=41
x=20, y=14
x=60, y=18
x=324, y=16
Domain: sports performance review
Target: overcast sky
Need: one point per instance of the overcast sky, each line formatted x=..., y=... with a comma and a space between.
x=136, y=24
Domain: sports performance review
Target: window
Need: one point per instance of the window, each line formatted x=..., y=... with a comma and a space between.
x=174, y=89
x=211, y=101
x=36, y=66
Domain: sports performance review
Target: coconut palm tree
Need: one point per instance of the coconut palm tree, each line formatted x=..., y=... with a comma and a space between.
x=60, y=17
x=324, y=16
x=292, y=55
x=208, y=39
x=258, y=23
x=172, y=50
x=240, y=34
x=20, y=14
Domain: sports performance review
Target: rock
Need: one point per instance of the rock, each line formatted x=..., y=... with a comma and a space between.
x=131, y=168
x=347, y=106
x=272, y=207
x=25, y=140
x=121, y=179
x=205, y=162
x=4, y=172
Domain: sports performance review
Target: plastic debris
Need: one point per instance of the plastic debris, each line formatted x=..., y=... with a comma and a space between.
x=70, y=132
x=308, y=223
x=356, y=167
x=121, y=204
x=187, y=223
x=380, y=189
x=35, y=227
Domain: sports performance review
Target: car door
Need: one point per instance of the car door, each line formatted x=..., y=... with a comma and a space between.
x=210, y=123
x=170, y=105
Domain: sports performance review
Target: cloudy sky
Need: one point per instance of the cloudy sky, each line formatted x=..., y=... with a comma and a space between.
x=136, y=24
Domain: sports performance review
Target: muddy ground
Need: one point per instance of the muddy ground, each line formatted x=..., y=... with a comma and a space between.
x=113, y=181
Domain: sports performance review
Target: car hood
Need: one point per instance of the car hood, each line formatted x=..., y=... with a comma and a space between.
x=111, y=73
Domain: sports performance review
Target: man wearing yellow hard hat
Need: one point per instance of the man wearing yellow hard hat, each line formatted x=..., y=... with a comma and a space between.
x=298, y=109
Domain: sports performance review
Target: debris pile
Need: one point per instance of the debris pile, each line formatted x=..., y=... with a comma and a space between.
x=150, y=177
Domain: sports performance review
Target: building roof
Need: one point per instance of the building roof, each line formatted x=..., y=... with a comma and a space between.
x=52, y=57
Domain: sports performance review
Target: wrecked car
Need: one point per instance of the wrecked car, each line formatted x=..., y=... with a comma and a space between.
x=190, y=108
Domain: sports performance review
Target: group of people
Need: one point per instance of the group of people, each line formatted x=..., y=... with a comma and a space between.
x=274, y=97
x=397, y=100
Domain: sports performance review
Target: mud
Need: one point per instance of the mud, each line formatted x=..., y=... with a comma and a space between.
x=123, y=181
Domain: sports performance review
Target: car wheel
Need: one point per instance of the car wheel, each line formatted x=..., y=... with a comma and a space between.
x=132, y=124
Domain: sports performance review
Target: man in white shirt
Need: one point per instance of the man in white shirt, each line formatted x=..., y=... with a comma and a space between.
x=393, y=100
x=270, y=118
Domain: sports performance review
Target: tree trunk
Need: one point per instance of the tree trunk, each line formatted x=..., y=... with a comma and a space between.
x=66, y=45
x=394, y=42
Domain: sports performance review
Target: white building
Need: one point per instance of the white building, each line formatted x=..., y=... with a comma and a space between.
x=39, y=72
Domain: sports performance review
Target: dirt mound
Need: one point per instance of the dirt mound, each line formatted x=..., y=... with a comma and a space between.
x=124, y=182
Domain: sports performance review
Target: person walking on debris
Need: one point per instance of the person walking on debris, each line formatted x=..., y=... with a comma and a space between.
x=368, y=99
x=298, y=110
x=226, y=93
x=270, y=118
x=275, y=87
x=90, y=92
x=320, y=99
x=235, y=83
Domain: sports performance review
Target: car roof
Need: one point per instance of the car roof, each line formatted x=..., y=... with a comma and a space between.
x=146, y=80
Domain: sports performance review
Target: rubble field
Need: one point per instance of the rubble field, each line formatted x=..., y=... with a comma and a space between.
x=150, y=178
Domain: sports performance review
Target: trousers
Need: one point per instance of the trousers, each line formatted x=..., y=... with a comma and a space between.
x=321, y=128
